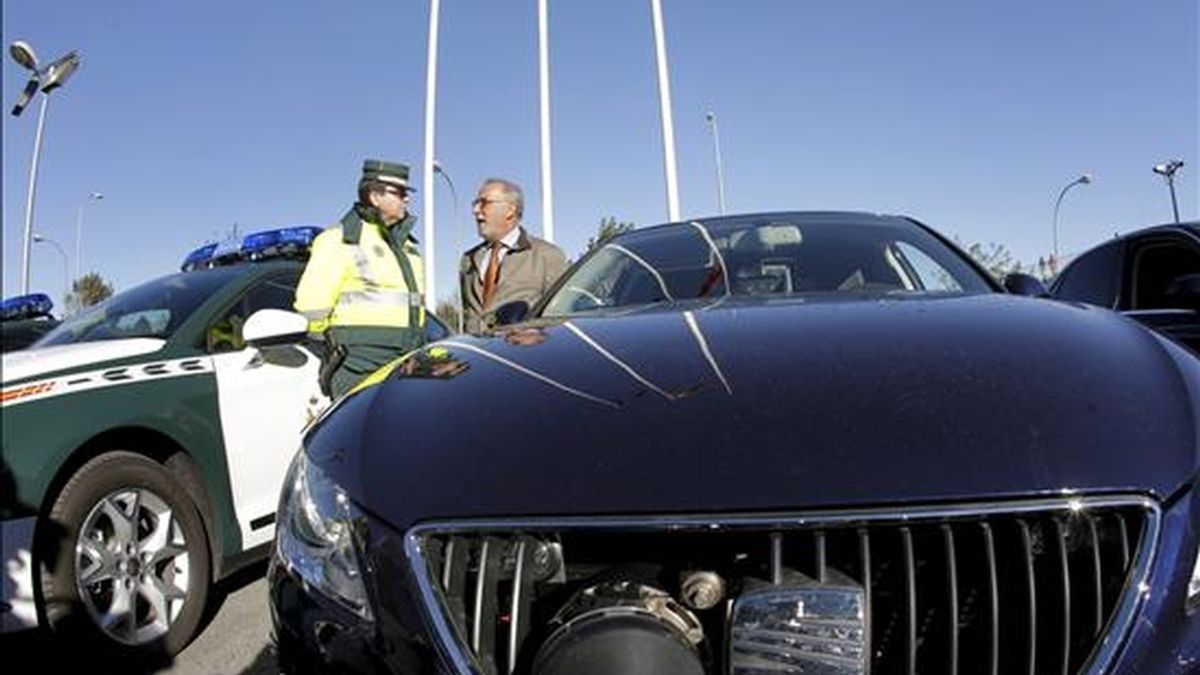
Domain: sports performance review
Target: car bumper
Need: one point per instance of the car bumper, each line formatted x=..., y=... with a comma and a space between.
x=317, y=635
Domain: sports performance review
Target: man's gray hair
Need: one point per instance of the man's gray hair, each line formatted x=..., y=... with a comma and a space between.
x=512, y=192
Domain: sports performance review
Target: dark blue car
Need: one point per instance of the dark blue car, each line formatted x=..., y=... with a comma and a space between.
x=1151, y=275
x=778, y=443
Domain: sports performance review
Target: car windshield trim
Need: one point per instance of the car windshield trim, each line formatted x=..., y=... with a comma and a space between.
x=712, y=246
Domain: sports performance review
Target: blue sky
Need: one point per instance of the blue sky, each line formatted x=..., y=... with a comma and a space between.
x=970, y=116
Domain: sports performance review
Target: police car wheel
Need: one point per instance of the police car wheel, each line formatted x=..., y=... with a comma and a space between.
x=124, y=560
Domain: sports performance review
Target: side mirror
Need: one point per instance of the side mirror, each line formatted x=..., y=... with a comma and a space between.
x=1185, y=290
x=1024, y=284
x=510, y=312
x=274, y=327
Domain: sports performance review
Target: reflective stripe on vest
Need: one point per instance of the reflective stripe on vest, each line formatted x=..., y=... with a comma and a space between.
x=374, y=296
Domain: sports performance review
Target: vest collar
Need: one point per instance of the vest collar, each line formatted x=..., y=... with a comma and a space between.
x=352, y=224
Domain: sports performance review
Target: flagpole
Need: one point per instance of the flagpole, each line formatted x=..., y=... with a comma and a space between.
x=664, y=97
x=544, y=82
x=427, y=172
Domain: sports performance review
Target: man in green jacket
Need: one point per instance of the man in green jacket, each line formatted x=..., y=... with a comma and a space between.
x=509, y=264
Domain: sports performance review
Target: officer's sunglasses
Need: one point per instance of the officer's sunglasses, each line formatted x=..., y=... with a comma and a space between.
x=396, y=191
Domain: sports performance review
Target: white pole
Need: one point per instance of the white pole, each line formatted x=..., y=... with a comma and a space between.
x=78, y=236
x=427, y=173
x=544, y=79
x=33, y=167
x=712, y=118
x=664, y=97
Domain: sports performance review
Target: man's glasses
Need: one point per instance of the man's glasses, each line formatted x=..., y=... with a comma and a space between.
x=396, y=191
x=482, y=202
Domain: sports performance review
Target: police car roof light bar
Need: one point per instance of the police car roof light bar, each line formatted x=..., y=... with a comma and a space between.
x=26, y=306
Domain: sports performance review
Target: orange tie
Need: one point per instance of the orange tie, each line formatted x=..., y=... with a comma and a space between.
x=492, y=275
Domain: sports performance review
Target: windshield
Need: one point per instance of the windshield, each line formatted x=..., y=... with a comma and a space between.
x=769, y=256
x=154, y=309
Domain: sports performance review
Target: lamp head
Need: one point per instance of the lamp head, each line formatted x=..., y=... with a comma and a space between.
x=1085, y=178
x=58, y=72
x=23, y=54
x=1168, y=168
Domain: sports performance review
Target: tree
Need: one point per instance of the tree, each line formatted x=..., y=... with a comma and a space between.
x=90, y=289
x=447, y=311
x=609, y=228
x=998, y=260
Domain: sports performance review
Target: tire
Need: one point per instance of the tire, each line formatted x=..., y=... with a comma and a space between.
x=127, y=528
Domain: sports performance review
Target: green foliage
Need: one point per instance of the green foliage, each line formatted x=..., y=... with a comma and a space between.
x=90, y=289
x=609, y=228
x=447, y=311
x=1000, y=262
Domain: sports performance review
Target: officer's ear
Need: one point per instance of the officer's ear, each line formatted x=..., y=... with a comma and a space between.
x=374, y=196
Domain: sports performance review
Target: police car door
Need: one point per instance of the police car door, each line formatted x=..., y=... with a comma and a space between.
x=265, y=399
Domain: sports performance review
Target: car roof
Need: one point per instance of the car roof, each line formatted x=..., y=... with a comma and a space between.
x=1191, y=227
x=824, y=217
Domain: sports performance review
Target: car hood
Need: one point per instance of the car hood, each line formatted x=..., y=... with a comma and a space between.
x=28, y=363
x=766, y=407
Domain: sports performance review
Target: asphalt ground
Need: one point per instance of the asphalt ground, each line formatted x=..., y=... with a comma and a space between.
x=235, y=641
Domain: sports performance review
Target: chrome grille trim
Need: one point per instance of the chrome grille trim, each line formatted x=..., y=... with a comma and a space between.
x=451, y=644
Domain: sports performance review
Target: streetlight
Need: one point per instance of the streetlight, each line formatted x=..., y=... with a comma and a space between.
x=441, y=171
x=711, y=117
x=1167, y=170
x=1082, y=180
x=47, y=80
x=66, y=266
x=93, y=197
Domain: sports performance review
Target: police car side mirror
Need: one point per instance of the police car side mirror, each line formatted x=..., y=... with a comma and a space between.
x=274, y=327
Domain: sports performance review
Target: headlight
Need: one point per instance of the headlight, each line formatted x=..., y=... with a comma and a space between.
x=316, y=536
x=1193, y=596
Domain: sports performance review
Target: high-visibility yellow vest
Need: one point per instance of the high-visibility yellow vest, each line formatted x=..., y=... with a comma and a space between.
x=359, y=283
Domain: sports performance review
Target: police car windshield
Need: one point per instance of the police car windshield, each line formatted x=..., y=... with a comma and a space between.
x=154, y=309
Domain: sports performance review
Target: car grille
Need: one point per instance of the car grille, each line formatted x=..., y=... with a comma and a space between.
x=1028, y=587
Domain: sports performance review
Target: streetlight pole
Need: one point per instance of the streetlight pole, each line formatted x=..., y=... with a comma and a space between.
x=664, y=99
x=712, y=121
x=93, y=197
x=66, y=265
x=441, y=171
x=1167, y=170
x=46, y=80
x=427, y=174
x=1082, y=180
x=30, y=192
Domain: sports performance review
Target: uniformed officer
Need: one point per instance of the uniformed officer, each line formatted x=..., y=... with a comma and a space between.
x=361, y=289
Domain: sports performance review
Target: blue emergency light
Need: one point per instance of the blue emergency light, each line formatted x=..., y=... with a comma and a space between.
x=284, y=242
x=26, y=306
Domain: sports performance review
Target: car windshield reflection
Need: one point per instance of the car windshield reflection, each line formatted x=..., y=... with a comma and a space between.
x=155, y=309
x=764, y=257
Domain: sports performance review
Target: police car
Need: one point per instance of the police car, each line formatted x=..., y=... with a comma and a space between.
x=24, y=319
x=145, y=441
